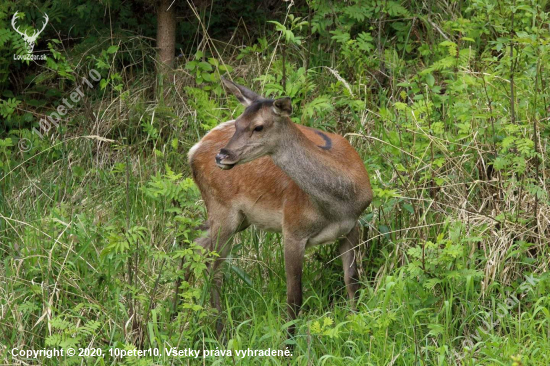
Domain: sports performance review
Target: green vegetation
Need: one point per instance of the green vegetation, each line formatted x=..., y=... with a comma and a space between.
x=447, y=102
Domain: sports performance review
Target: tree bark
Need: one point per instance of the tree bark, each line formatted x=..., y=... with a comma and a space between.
x=166, y=35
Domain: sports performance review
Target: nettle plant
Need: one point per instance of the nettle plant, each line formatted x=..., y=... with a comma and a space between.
x=178, y=196
x=286, y=78
x=445, y=261
x=171, y=251
x=6, y=146
x=67, y=332
x=357, y=28
x=206, y=71
x=300, y=86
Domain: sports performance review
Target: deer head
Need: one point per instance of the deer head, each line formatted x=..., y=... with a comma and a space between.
x=30, y=40
x=257, y=130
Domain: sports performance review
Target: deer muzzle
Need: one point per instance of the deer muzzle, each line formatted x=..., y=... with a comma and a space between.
x=223, y=160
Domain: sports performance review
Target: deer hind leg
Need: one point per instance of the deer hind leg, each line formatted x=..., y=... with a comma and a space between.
x=349, y=260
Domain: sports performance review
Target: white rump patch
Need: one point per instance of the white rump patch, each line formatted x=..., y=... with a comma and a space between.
x=195, y=147
x=192, y=151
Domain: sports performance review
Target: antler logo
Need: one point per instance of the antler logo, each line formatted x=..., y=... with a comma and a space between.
x=31, y=40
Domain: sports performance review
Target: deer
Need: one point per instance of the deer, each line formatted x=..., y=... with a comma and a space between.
x=30, y=40
x=262, y=169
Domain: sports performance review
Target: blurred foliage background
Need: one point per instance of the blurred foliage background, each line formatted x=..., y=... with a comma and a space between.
x=446, y=101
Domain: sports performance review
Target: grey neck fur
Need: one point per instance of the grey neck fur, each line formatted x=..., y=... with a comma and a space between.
x=312, y=168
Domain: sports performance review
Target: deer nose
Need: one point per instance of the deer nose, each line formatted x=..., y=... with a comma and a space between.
x=223, y=154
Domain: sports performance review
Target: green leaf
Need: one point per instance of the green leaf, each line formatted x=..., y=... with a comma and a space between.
x=205, y=66
x=112, y=49
x=430, y=80
x=409, y=208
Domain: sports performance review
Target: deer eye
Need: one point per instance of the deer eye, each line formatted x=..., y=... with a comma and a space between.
x=258, y=128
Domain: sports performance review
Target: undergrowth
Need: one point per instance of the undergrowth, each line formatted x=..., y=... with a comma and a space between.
x=449, y=112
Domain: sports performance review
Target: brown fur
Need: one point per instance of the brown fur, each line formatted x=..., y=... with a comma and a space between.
x=261, y=181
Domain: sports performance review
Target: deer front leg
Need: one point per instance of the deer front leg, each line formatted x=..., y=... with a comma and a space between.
x=347, y=252
x=222, y=246
x=220, y=230
x=203, y=242
x=294, y=262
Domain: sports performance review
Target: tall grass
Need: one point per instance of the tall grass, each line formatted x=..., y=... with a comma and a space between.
x=96, y=223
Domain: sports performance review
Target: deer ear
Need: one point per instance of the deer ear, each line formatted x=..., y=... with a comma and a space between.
x=244, y=95
x=282, y=107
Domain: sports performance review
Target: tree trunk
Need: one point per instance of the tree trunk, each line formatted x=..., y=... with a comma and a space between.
x=166, y=35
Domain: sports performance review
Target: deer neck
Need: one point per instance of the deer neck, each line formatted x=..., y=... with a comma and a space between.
x=314, y=170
